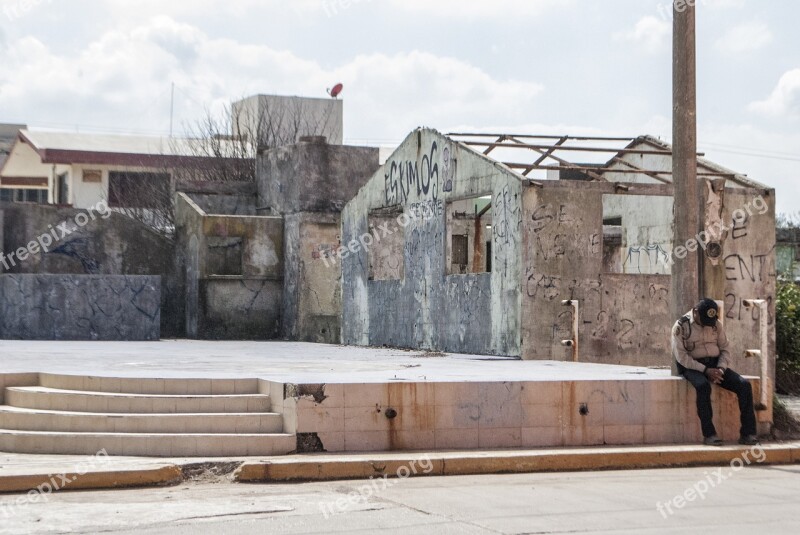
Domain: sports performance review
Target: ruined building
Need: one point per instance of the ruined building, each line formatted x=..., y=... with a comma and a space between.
x=488, y=251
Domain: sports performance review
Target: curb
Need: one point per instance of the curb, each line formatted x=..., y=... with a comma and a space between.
x=365, y=466
x=147, y=477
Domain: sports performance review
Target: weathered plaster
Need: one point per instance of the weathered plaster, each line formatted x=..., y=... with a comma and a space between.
x=427, y=308
x=80, y=307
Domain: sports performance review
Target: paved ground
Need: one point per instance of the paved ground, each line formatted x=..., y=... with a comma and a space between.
x=753, y=500
x=12, y=464
x=291, y=361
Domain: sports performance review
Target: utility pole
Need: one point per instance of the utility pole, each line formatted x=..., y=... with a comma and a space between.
x=686, y=269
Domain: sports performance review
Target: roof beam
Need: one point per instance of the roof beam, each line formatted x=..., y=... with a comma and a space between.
x=560, y=147
x=529, y=136
x=651, y=174
x=590, y=173
x=587, y=169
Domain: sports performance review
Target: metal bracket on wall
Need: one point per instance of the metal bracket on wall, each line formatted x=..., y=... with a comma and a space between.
x=763, y=353
x=574, y=343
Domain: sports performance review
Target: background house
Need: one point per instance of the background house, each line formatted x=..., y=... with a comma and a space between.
x=8, y=134
x=81, y=170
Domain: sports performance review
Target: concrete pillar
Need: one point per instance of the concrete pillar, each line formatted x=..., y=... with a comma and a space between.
x=686, y=270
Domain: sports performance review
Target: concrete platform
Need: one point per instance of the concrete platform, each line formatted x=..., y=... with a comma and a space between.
x=292, y=362
x=352, y=399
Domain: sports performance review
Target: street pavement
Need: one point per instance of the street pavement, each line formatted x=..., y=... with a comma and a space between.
x=755, y=499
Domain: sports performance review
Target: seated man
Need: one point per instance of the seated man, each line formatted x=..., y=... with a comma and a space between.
x=700, y=347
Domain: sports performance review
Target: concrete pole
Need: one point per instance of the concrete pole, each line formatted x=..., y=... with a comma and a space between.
x=686, y=269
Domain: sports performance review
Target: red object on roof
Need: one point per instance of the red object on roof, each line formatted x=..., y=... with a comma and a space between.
x=337, y=89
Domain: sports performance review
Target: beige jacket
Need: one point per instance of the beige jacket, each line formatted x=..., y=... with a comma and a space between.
x=692, y=341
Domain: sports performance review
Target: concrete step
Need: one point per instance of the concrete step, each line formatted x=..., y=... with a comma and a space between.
x=146, y=444
x=133, y=385
x=39, y=397
x=62, y=421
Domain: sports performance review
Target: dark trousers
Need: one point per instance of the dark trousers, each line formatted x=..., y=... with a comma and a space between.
x=733, y=382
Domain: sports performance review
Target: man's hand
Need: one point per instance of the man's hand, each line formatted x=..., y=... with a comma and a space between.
x=715, y=375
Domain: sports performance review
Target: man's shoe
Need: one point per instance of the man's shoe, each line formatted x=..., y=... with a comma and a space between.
x=713, y=440
x=749, y=440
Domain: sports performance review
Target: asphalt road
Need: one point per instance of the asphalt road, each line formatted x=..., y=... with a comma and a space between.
x=755, y=499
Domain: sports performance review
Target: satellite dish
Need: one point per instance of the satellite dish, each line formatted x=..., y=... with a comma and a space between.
x=337, y=89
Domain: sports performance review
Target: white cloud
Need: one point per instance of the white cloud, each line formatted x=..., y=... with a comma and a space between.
x=762, y=153
x=328, y=9
x=650, y=33
x=123, y=77
x=744, y=38
x=785, y=98
x=723, y=4
x=477, y=8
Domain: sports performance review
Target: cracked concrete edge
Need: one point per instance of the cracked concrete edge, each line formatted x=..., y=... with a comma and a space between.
x=112, y=479
x=367, y=466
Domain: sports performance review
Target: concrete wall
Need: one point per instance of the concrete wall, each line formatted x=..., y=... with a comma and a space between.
x=625, y=317
x=746, y=269
x=225, y=204
x=427, y=308
x=113, y=245
x=485, y=415
x=308, y=184
x=245, y=304
x=312, y=177
x=312, y=281
x=239, y=308
x=284, y=120
x=80, y=307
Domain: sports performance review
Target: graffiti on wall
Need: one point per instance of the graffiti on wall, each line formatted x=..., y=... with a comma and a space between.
x=505, y=214
x=406, y=178
x=426, y=210
x=78, y=249
x=743, y=272
x=748, y=269
x=448, y=170
x=650, y=258
x=623, y=318
x=551, y=245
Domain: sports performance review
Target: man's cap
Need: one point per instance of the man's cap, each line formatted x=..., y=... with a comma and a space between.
x=708, y=310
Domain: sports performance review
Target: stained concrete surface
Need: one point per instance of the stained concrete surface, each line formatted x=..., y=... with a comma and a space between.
x=756, y=498
x=291, y=362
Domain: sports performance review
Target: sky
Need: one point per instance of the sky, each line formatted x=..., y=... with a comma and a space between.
x=524, y=66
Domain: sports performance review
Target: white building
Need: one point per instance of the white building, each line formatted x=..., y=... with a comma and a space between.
x=78, y=169
x=280, y=120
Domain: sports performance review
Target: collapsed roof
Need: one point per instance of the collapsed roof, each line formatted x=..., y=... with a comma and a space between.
x=612, y=159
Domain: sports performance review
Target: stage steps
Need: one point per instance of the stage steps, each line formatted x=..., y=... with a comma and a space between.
x=82, y=415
